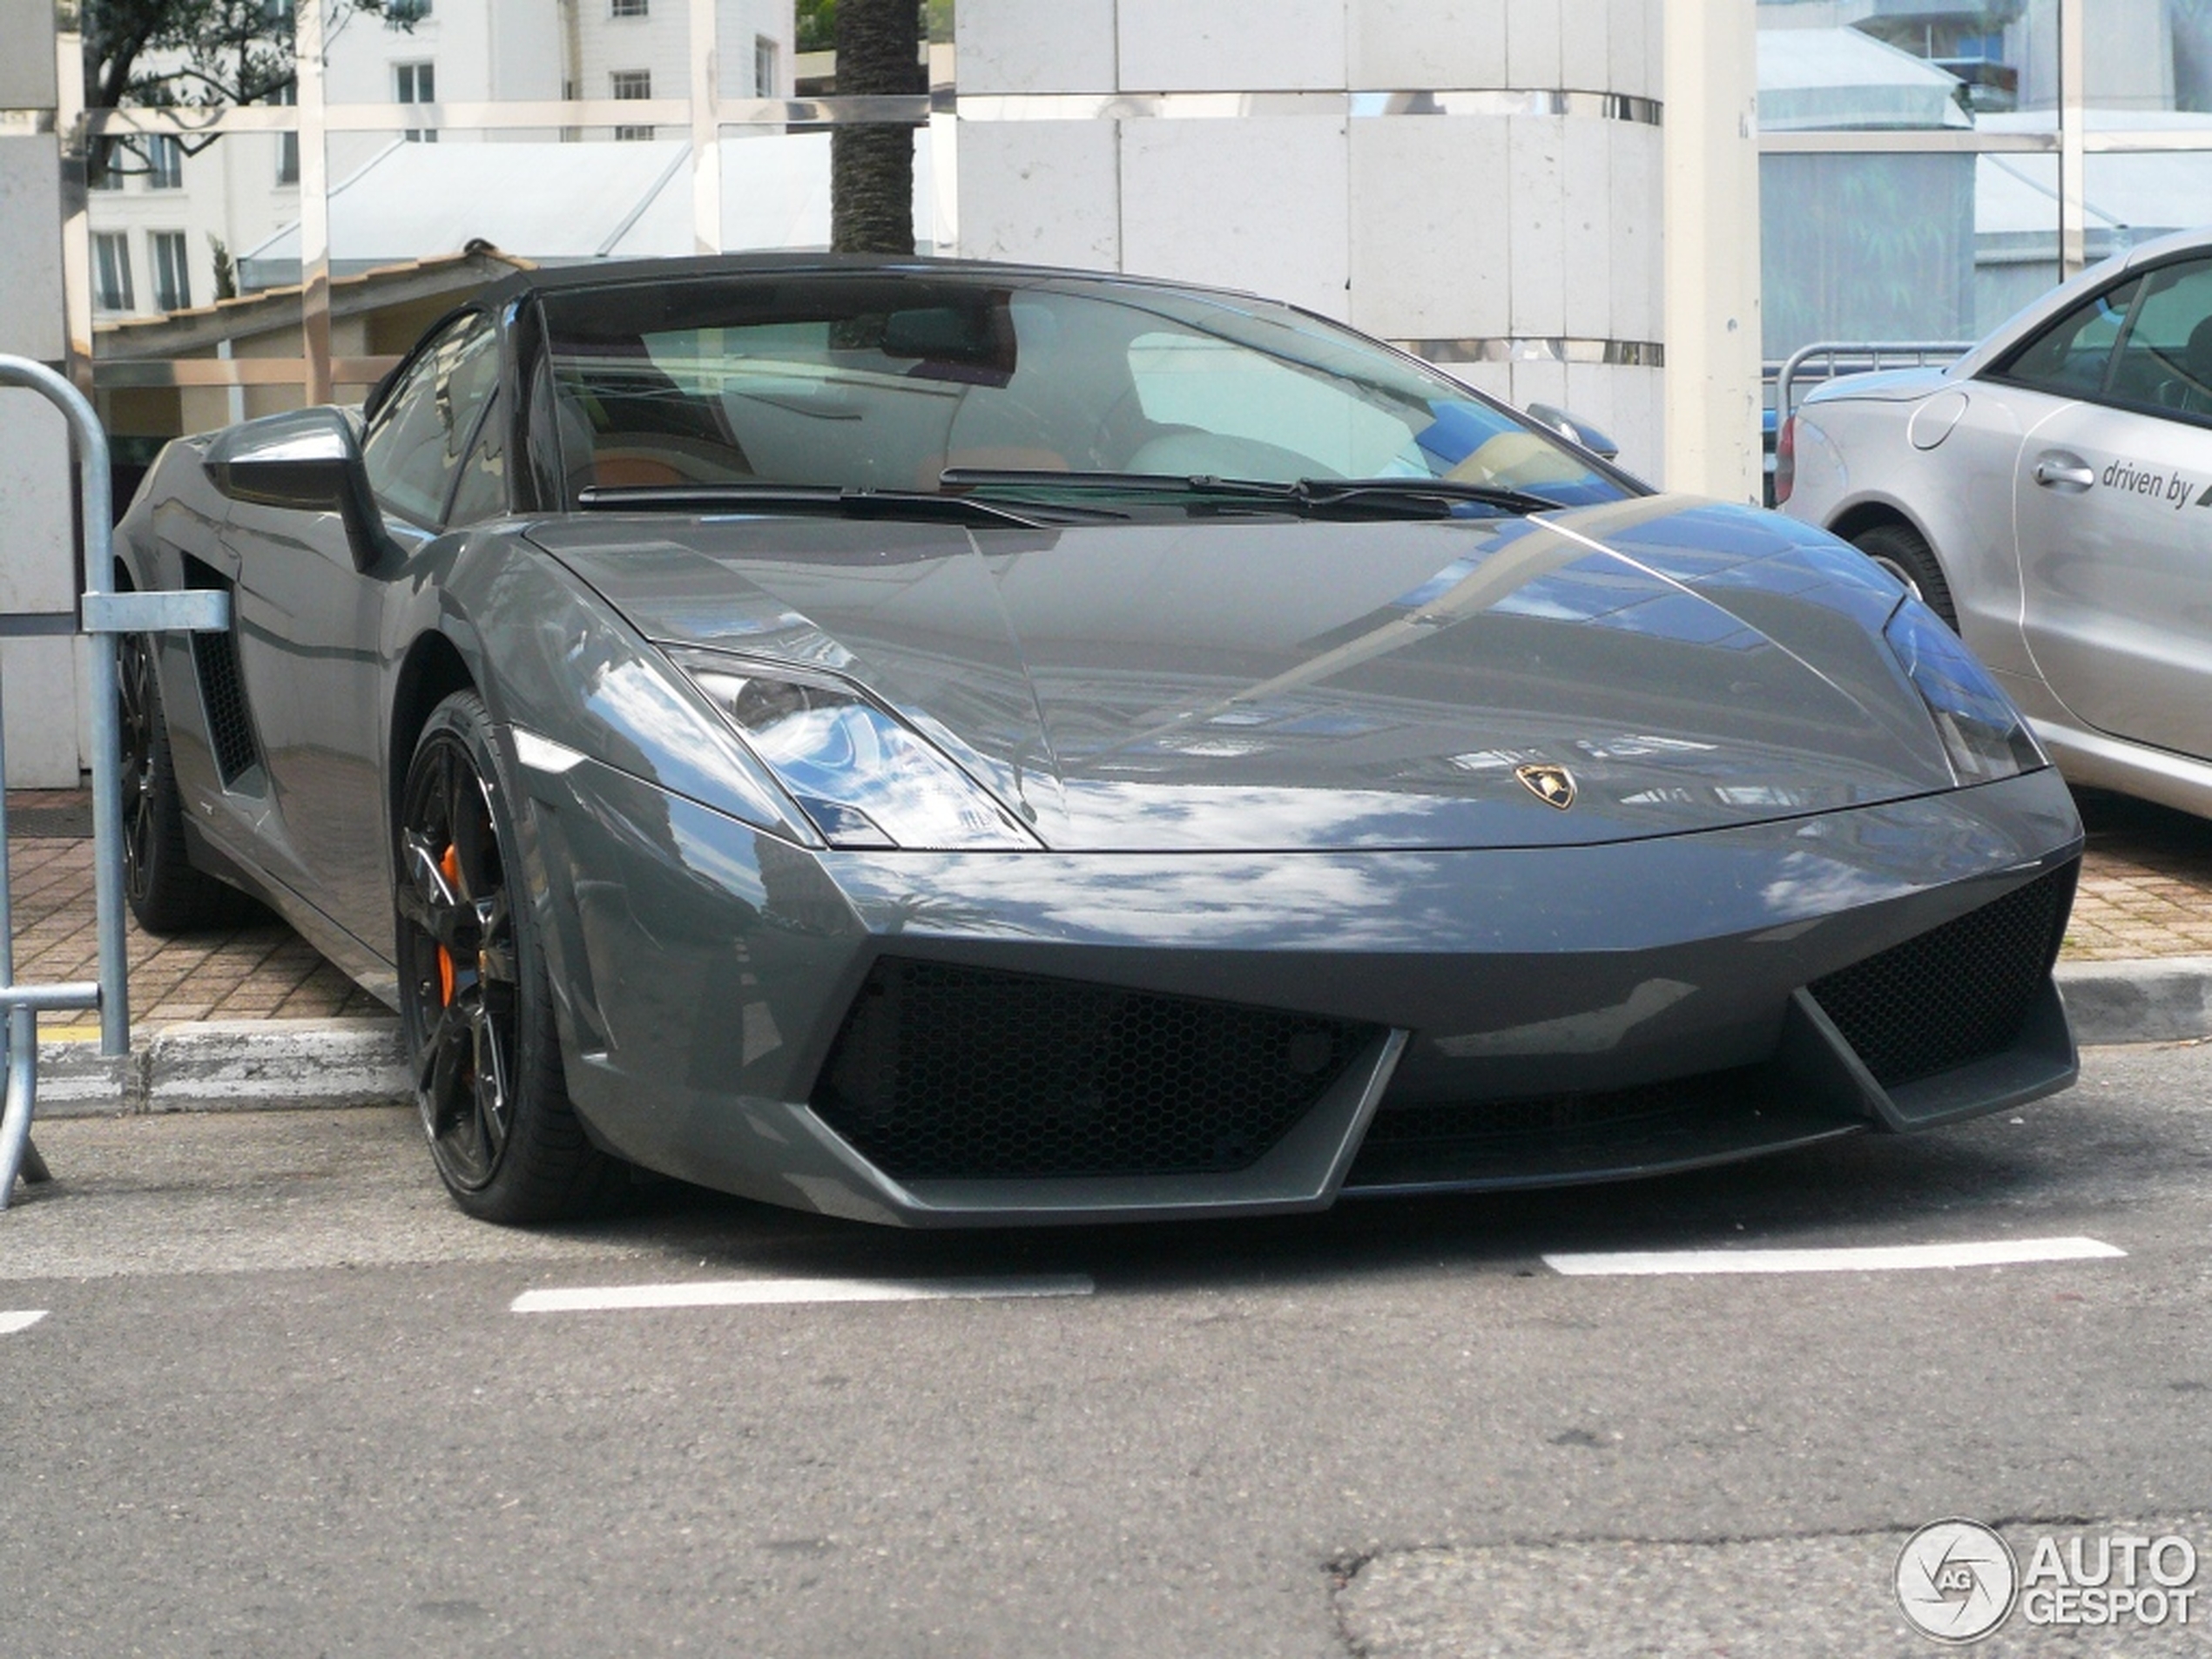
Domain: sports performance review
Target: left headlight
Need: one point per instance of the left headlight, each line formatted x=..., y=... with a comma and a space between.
x=1982, y=733
x=861, y=776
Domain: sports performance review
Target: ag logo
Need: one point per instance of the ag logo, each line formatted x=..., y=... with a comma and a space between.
x=1553, y=786
x=1956, y=1580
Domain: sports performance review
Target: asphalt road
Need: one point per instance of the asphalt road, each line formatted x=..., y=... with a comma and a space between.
x=281, y=1403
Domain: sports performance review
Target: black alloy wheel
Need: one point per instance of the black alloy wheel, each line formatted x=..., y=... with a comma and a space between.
x=166, y=893
x=473, y=1004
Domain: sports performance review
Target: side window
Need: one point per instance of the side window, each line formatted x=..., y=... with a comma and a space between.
x=481, y=492
x=413, y=446
x=2070, y=356
x=2165, y=360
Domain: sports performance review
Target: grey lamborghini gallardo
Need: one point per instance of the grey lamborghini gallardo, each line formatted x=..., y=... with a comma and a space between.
x=942, y=743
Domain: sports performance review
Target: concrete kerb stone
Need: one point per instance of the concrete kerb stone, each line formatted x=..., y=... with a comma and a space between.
x=228, y=1065
x=248, y=1065
x=2158, y=999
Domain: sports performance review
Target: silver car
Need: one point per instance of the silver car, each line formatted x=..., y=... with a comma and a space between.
x=2050, y=494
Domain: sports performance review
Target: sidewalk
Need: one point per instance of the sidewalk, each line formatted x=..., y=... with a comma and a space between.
x=2146, y=883
x=264, y=972
x=254, y=1016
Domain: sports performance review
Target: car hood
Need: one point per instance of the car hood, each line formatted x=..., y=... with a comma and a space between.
x=1262, y=683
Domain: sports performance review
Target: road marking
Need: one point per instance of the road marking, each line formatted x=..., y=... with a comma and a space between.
x=754, y=1292
x=1874, y=1259
x=21, y=1320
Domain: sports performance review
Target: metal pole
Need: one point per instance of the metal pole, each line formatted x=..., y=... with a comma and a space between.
x=17, y=1153
x=96, y=506
x=15, y=1044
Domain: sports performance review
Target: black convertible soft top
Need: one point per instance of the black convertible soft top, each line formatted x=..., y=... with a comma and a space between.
x=620, y=273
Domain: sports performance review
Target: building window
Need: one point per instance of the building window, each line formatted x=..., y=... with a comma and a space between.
x=112, y=272
x=630, y=83
x=103, y=170
x=287, y=143
x=416, y=84
x=763, y=67
x=628, y=7
x=165, y=163
x=171, y=275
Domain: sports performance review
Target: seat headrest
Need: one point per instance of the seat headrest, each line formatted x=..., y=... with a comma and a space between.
x=2196, y=356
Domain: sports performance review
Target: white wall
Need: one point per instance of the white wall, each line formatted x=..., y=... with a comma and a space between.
x=1483, y=234
x=39, y=693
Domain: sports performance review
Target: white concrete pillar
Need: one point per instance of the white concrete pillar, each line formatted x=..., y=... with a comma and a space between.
x=1477, y=180
x=39, y=677
x=1712, y=253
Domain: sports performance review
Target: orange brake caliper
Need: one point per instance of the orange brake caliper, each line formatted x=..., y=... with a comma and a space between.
x=449, y=867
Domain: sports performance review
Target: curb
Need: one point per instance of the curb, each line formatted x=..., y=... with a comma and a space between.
x=228, y=1065
x=271, y=1065
x=2156, y=999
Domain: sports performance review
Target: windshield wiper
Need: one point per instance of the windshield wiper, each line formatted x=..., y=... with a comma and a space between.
x=844, y=500
x=1309, y=498
x=1328, y=492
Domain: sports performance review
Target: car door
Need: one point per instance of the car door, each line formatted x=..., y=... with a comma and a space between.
x=310, y=650
x=2113, y=508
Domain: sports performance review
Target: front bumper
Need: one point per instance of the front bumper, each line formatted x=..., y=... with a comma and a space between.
x=1524, y=1016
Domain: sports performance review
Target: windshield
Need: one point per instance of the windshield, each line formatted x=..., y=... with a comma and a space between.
x=887, y=380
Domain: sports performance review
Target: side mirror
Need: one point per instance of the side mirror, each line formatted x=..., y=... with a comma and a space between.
x=1574, y=430
x=307, y=460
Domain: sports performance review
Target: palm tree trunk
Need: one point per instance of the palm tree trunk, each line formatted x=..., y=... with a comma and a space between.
x=872, y=167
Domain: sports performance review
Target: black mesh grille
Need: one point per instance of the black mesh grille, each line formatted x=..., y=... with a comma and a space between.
x=1586, y=1136
x=1954, y=993
x=945, y=1072
x=219, y=689
x=222, y=694
x=1541, y=1118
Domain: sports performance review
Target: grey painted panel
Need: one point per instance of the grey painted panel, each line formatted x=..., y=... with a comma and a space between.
x=30, y=243
x=28, y=68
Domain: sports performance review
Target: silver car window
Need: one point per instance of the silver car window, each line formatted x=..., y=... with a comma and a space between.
x=2165, y=359
x=2071, y=357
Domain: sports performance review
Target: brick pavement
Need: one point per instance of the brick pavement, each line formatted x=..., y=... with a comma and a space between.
x=2145, y=892
x=265, y=971
x=2146, y=883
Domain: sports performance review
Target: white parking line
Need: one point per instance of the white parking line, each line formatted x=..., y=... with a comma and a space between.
x=1874, y=1259
x=22, y=1319
x=753, y=1292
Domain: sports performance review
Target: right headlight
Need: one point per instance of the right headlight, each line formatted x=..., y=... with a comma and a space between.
x=1982, y=733
x=862, y=777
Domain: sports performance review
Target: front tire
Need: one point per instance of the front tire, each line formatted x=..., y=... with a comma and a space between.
x=475, y=1005
x=1900, y=549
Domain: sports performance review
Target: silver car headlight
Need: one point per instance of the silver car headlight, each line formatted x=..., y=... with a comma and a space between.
x=1982, y=733
x=862, y=775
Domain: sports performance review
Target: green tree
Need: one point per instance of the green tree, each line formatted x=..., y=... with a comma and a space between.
x=195, y=55
x=226, y=268
x=814, y=22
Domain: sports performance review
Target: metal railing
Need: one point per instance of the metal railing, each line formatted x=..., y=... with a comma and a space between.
x=1855, y=357
x=104, y=614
